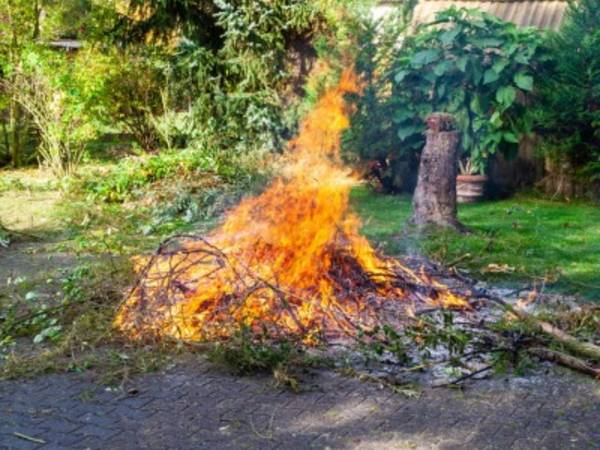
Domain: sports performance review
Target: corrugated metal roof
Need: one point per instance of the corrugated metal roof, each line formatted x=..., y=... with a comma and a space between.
x=547, y=14
x=67, y=44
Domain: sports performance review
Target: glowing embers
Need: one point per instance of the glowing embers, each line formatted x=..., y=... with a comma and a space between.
x=289, y=261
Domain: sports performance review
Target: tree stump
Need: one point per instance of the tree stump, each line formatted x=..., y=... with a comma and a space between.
x=434, y=200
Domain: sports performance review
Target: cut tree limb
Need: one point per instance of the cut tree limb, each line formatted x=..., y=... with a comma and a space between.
x=565, y=360
x=584, y=348
x=587, y=349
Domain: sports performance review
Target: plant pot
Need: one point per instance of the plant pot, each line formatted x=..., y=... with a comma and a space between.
x=470, y=188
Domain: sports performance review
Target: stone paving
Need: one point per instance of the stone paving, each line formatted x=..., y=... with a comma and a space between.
x=196, y=406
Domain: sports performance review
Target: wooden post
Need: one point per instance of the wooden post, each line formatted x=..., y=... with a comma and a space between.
x=434, y=201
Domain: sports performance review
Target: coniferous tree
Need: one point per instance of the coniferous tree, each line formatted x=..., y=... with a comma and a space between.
x=568, y=116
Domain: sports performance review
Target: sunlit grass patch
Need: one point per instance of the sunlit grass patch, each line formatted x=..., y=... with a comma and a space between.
x=522, y=239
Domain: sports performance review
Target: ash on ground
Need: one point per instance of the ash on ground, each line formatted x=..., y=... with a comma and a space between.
x=403, y=360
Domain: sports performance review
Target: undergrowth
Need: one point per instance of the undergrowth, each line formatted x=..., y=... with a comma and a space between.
x=130, y=177
x=73, y=332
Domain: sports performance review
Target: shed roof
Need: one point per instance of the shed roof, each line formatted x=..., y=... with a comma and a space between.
x=66, y=44
x=547, y=14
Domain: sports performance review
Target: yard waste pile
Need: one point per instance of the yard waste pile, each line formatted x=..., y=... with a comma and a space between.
x=288, y=262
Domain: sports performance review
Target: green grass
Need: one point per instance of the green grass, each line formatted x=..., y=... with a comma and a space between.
x=528, y=239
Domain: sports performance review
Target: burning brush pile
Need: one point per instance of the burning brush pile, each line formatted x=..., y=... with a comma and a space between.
x=289, y=263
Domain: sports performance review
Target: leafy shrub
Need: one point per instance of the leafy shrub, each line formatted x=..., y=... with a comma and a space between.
x=55, y=93
x=132, y=96
x=225, y=90
x=472, y=65
x=467, y=63
x=130, y=175
x=372, y=134
x=41, y=95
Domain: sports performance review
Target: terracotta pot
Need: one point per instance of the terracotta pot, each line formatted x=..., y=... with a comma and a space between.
x=470, y=188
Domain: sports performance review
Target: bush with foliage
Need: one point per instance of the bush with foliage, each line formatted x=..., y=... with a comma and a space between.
x=132, y=96
x=57, y=94
x=474, y=66
x=467, y=63
x=41, y=92
x=202, y=74
x=20, y=26
x=372, y=134
x=568, y=116
x=227, y=87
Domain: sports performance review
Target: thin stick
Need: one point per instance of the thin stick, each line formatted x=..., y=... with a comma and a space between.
x=459, y=259
x=464, y=377
x=28, y=438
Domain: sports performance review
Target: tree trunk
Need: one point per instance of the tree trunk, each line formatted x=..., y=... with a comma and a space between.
x=434, y=201
x=15, y=125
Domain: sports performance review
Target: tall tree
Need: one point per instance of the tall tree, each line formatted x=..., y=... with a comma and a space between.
x=143, y=20
x=24, y=25
x=19, y=27
x=569, y=114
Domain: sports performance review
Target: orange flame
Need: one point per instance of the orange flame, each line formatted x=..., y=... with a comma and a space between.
x=290, y=260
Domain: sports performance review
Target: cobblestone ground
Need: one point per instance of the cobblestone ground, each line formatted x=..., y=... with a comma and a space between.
x=198, y=407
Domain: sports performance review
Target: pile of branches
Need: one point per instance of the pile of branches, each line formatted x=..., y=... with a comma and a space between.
x=177, y=270
x=381, y=323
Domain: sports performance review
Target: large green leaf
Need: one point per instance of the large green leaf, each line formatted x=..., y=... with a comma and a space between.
x=522, y=58
x=403, y=115
x=461, y=63
x=476, y=105
x=500, y=65
x=401, y=75
x=511, y=137
x=523, y=81
x=448, y=36
x=425, y=57
x=431, y=77
x=488, y=42
x=506, y=96
x=442, y=67
x=408, y=131
x=476, y=71
x=490, y=76
x=496, y=119
x=457, y=101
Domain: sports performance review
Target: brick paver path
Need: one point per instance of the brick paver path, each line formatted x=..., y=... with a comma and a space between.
x=199, y=407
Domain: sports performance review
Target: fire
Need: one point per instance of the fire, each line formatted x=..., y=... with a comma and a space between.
x=290, y=261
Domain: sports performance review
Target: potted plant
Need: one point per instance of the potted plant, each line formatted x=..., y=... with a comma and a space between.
x=470, y=184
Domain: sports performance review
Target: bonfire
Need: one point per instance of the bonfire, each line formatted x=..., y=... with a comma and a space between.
x=290, y=262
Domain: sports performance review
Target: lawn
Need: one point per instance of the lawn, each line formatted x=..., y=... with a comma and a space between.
x=522, y=239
